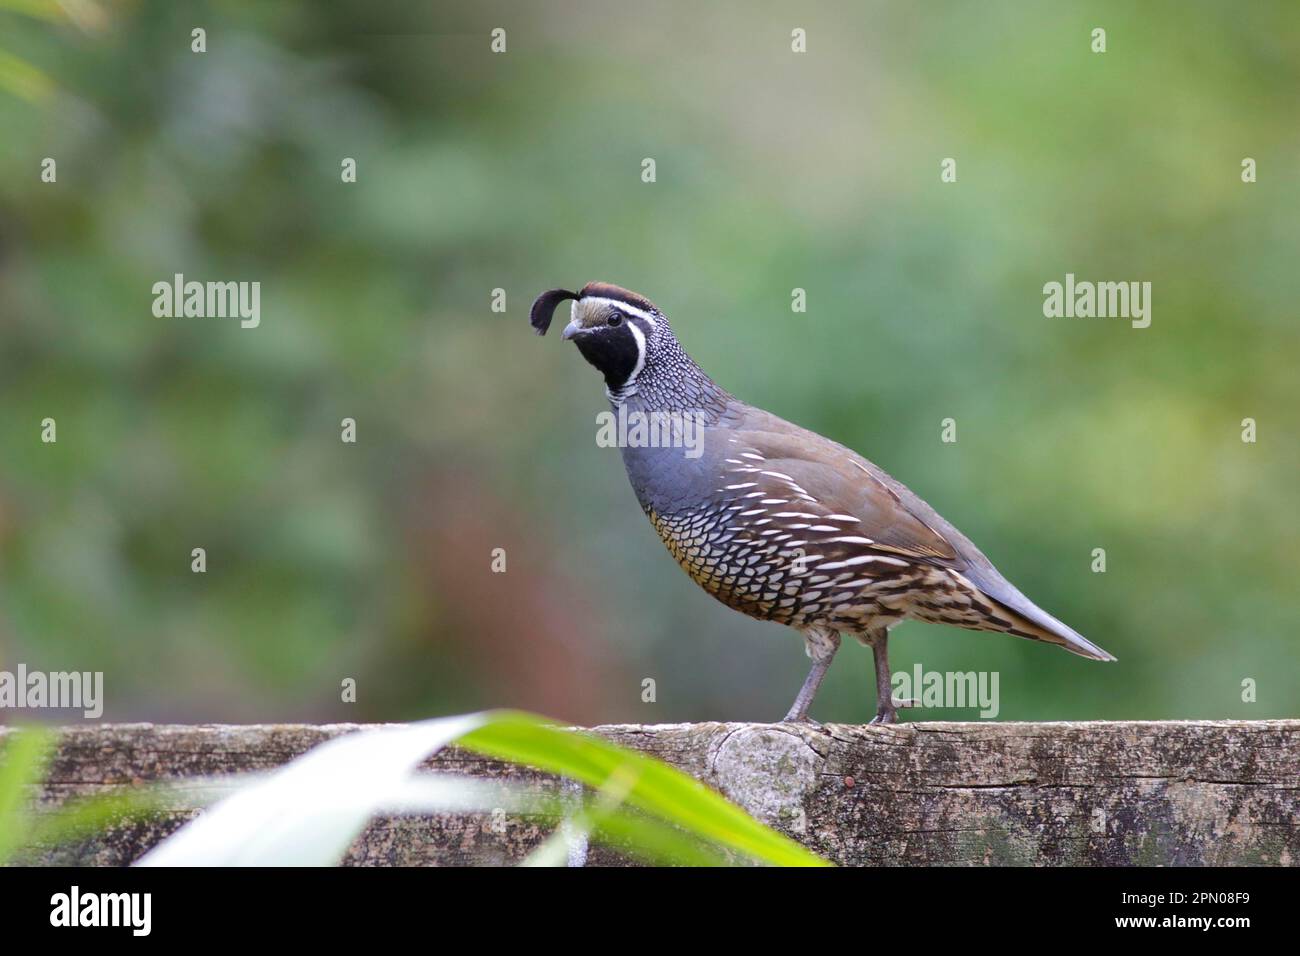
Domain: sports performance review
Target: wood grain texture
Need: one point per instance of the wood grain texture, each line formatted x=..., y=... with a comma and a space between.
x=1101, y=793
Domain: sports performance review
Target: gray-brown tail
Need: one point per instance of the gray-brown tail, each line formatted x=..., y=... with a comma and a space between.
x=1033, y=622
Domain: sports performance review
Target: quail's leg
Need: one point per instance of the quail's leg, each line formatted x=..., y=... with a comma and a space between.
x=821, y=648
x=886, y=706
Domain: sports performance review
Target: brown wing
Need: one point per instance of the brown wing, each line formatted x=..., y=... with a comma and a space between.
x=854, y=516
x=847, y=505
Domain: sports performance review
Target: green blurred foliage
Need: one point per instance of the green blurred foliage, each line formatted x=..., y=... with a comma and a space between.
x=521, y=171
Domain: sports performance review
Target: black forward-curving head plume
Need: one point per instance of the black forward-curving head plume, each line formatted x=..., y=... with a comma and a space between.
x=544, y=307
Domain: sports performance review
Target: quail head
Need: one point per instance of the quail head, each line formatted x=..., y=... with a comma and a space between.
x=776, y=521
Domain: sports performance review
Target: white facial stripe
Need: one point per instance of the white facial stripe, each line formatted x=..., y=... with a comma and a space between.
x=640, y=353
x=621, y=306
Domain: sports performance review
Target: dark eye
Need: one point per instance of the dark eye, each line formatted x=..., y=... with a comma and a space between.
x=615, y=319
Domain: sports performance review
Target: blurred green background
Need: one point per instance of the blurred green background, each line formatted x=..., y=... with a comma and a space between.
x=521, y=171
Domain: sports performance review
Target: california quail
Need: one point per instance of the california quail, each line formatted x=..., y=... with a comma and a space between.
x=778, y=522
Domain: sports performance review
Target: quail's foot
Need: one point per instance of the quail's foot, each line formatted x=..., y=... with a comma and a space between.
x=889, y=715
x=793, y=718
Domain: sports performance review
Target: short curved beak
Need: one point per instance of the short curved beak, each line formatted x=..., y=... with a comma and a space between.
x=572, y=329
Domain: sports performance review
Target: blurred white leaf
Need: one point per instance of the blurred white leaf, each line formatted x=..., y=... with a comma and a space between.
x=309, y=813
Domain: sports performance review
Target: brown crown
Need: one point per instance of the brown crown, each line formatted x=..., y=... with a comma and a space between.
x=605, y=290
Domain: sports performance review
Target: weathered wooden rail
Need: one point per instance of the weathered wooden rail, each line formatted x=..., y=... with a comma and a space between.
x=1103, y=793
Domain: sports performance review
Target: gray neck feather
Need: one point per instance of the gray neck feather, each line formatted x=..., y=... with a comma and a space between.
x=670, y=381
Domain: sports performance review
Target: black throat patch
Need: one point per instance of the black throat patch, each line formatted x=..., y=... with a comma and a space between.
x=613, y=351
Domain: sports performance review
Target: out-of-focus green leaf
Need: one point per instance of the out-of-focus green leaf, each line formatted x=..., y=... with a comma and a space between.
x=22, y=79
x=41, y=9
x=23, y=758
x=632, y=832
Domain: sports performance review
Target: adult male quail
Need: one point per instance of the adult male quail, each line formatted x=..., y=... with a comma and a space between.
x=778, y=522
